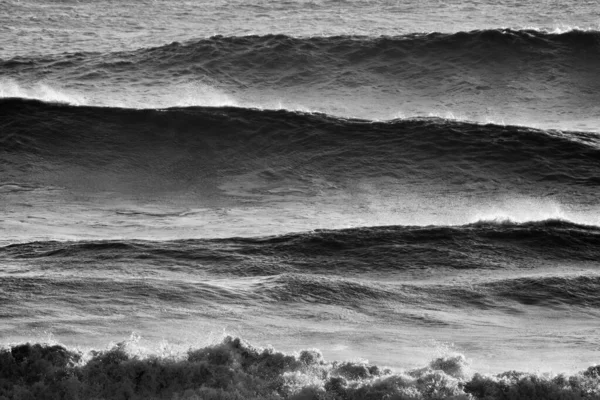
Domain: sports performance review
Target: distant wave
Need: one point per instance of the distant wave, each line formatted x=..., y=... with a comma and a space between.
x=512, y=295
x=396, y=248
x=280, y=59
x=331, y=266
x=548, y=291
x=521, y=76
x=191, y=147
x=234, y=369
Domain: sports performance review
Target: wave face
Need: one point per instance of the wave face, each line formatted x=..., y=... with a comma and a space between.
x=193, y=145
x=346, y=267
x=200, y=162
x=514, y=76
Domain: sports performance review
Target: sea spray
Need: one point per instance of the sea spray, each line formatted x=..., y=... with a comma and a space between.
x=234, y=369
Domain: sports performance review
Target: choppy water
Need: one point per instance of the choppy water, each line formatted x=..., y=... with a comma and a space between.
x=412, y=183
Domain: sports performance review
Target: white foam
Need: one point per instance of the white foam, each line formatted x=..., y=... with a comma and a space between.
x=561, y=28
x=185, y=95
x=520, y=210
x=40, y=91
x=190, y=95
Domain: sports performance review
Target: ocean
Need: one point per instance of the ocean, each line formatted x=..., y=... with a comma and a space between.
x=301, y=199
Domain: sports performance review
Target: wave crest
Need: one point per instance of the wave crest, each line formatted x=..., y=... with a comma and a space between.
x=10, y=88
x=486, y=75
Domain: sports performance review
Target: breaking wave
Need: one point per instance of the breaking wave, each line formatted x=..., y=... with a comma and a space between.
x=256, y=152
x=236, y=370
x=524, y=77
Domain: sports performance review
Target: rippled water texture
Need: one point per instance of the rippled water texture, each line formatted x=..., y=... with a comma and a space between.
x=410, y=182
x=42, y=27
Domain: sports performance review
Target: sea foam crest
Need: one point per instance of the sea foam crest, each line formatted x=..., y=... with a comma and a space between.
x=522, y=210
x=559, y=29
x=184, y=95
x=40, y=91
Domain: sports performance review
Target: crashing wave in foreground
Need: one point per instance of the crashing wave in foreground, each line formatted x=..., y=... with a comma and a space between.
x=236, y=370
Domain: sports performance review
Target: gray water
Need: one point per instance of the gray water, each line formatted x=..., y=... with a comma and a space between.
x=92, y=53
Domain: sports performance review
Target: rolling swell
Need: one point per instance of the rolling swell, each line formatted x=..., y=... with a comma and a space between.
x=549, y=291
x=365, y=249
x=338, y=61
x=201, y=148
x=329, y=264
x=519, y=76
x=376, y=298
